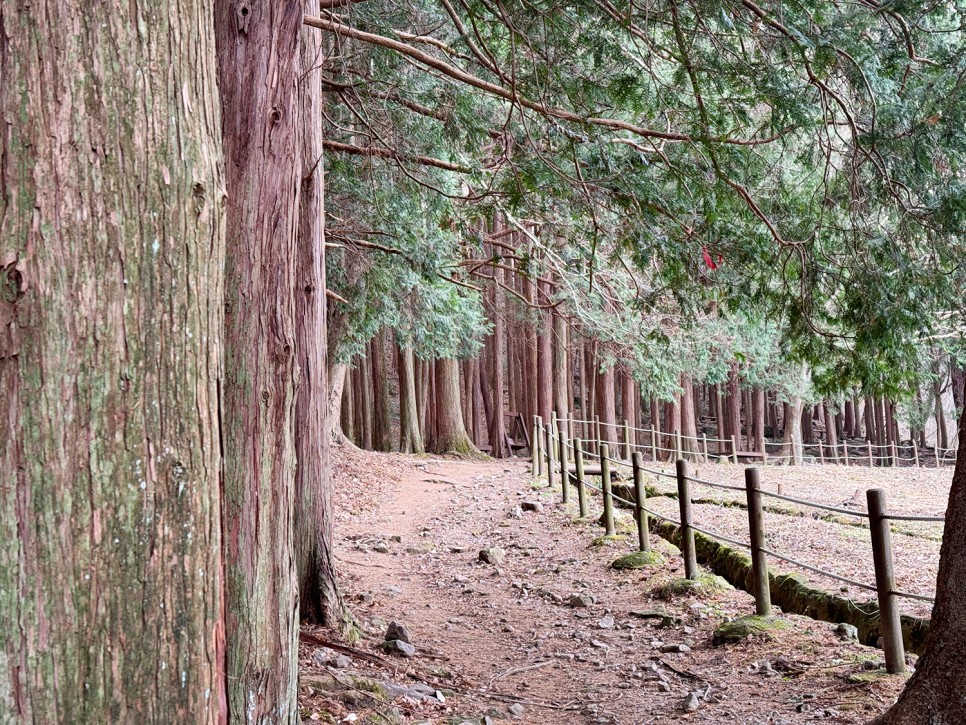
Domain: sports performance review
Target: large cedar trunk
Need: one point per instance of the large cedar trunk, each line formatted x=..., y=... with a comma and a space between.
x=733, y=406
x=689, y=424
x=410, y=437
x=319, y=598
x=935, y=692
x=111, y=264
x=607, y=407
x=259, y=72
x=451, y=436
x=381, y=425
x=792, y=439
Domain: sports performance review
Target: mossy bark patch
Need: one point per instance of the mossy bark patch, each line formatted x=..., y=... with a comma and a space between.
x=753, y=625
x=639, y=560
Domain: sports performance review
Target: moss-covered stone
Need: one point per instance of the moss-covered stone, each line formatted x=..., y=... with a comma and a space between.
x=622, y=524
x=703, y=584
x=639, y=560
x=743, y=627
x=607, y=540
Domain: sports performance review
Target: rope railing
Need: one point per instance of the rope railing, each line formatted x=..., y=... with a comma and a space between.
x=557, y=446
x=839, y=453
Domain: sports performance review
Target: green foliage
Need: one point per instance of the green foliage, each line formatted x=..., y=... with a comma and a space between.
x=812, y=151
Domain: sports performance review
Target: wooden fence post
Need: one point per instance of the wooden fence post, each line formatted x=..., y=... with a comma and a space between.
x=597, y=438
x=564, y=464
x=687, y=534
x=535, y=445
x=581, y=490
x=895, y=454
x=821, y=453
x=756, y=530
x=653, y=444
x=556, y=433
x=704, y=440
x=734, y=450
x=938, y=459
x=609, y=529
x=871, y=463
x=845, y=452
x=677, y=443
x=627, y=442
x=915, y=451
x=640, y=503
x=548, y=453
x=890, y=627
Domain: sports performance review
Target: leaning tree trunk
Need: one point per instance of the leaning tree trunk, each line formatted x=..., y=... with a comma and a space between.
x=319, y=598
x=259, y=71
x=935, y=692
x=111, y=283
x=451, y=435
x=410, y=437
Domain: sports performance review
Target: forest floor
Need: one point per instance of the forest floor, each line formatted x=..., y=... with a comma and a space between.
x=502, y=643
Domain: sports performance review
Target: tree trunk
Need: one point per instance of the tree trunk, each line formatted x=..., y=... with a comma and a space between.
x=347, y=417
x=451, y=436
x=607, y=407
x=849, y=418
x=689, y=425
x=868, y=413
x=365, y=418
x=497, y=353
x=808, y=432
x=259, y=69
x=111, y=284
x=758, y=415
x=934, y=693
x=319, y=598
x=831, y=436
x=793, y=433
x=942, y=435
x=734, y=407
x=410, y=437
x=545, y=368
x=561, y=368
x=381, y=424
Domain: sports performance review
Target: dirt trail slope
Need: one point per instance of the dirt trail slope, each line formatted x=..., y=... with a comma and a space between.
x=503, y=641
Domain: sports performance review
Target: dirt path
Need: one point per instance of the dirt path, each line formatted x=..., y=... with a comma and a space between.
x=496, y=637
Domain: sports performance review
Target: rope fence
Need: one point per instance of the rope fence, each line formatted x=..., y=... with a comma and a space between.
x=839, y=453
x=551, y=453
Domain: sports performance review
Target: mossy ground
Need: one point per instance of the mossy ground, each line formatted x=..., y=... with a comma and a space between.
x=639, y=560
x=703, y=584
x=607, y=540
x=740, y=629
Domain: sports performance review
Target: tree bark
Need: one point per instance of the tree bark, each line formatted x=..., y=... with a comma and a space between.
x=934, y=693
x=734, y=407
x=758, y=414
x=347, y=417
x=607, y=406
x=561, y=368
x=410, y=437
x=259, y=70
x=111, y=283
x=497, y=353
x=689, y=423
x=793, y=433
x=319, y=598
x=451, y=436
x=381, y=424
x=545, y=368
x=365, y=418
